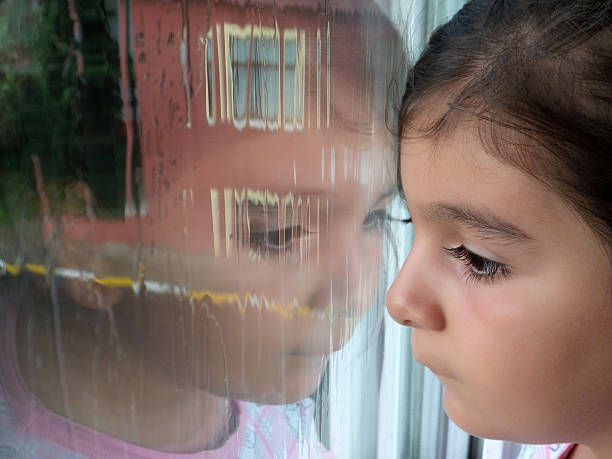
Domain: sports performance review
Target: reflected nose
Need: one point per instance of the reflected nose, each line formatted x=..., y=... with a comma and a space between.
x=412, y=299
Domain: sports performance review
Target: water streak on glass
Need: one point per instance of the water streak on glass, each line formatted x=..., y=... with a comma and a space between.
x=192, y=215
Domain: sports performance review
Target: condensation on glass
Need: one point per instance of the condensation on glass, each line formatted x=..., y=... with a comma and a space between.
x=191, y=222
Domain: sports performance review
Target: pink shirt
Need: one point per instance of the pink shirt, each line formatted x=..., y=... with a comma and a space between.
x=558, y=451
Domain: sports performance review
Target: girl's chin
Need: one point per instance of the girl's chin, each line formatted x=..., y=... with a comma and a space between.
x=463, y=413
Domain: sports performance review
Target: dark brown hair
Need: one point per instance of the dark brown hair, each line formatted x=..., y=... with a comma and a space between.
x=537, y=75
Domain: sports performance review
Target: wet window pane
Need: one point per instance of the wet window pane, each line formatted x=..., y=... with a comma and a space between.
x=265, y=76
x=237, y=47
x=211, y=100
x=196, y=200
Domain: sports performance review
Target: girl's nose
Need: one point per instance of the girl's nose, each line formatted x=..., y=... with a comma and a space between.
x=412, y=298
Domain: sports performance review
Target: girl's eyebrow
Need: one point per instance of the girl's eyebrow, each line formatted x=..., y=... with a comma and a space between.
x=485, y=222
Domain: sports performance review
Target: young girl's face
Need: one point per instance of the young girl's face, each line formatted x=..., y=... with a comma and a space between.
x=508, y=292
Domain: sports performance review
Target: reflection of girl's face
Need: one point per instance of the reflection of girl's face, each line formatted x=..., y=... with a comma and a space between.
x=261, y=210
x=291, y=235
x=272, y=229
x=276, y=248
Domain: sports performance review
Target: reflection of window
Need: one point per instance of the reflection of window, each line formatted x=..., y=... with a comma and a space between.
x=264, y=99
x=293, y=79
x=221, y=68
x=237, y=47
x=209, y=79
x=252, y=71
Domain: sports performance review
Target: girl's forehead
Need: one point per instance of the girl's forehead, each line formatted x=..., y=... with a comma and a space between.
x=457, y=170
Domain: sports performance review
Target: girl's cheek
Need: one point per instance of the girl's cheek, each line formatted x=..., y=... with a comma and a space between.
x=486, y=306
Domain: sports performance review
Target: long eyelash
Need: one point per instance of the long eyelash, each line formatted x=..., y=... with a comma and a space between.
x=478, y=268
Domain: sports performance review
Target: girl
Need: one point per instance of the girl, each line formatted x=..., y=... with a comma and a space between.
x=505, y=167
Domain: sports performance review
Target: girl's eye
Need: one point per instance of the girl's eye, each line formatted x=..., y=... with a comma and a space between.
x=479, y=268
x=276, y=240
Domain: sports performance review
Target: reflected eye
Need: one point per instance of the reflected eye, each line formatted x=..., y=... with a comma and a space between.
x=275, y=240
x=479, y=268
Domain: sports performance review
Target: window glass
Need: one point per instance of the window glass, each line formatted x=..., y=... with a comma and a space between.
x=265, y=77
x=193, y=209
x=294, y=78
x=237, y=47
x=209, y=75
